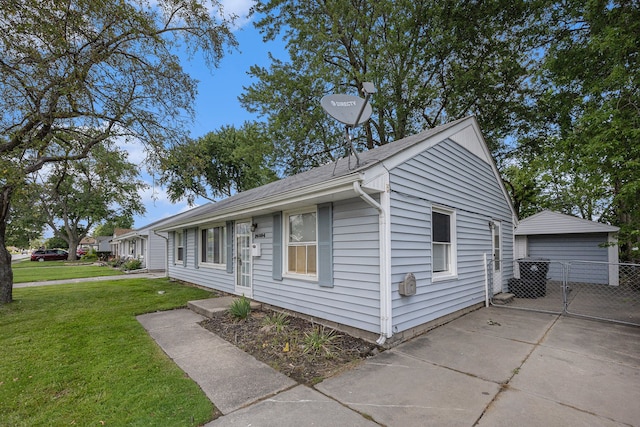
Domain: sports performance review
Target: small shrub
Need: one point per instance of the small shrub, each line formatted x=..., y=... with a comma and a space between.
x=320, y=341
x=240, y=308
x=92, y=255
x=278, y=321
x=132, y=264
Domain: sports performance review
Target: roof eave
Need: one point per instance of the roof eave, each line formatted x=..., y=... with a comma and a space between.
x=335, y=189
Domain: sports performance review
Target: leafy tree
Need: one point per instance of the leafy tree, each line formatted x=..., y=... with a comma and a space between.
x=26, y=223
x=107, y=228
x=431, y=62
x=56, y=242
x=77, y=73
x=588, y=128
x=77, y=195
x=219, y=164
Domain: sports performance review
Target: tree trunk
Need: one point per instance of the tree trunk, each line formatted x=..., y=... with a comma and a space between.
x=6, y=273
x=73, y=249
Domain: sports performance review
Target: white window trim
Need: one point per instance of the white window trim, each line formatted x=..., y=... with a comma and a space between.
x=176, y=247
x=285, y=244
x=453, y=266
x=201, y=245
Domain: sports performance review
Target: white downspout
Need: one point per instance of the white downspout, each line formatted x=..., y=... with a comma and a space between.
x=384, y=231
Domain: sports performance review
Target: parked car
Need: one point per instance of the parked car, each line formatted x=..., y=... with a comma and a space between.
x=81, y=252
x=49, y=255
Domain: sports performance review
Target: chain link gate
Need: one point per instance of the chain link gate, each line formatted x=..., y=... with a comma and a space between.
x=598, y=290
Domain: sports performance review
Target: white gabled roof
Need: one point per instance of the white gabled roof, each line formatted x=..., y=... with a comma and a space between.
x=550, y=222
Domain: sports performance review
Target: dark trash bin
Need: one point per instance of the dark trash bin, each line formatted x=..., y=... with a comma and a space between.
x=516, y=288
x=533, y=277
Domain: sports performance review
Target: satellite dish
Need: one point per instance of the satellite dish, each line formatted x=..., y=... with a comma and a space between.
x=350, y=110
x=347, y=109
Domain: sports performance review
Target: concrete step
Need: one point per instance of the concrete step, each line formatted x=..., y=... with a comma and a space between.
x=502, y=298
x=207, y=307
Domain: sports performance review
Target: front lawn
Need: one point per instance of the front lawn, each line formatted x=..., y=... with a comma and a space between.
x=76, y=355
x=29, y=271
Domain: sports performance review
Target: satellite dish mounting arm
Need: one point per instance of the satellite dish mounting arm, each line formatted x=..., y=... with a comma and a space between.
x=369, y=89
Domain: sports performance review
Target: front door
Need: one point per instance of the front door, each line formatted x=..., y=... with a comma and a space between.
x=497, y=256
x=243, y=259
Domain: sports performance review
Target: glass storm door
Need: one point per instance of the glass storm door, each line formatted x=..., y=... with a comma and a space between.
x=243, y=259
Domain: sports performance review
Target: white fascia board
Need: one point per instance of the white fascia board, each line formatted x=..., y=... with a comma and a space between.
x=335, y=189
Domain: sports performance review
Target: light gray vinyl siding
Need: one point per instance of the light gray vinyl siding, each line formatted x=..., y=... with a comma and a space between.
x=354, y=298
x=216, y=278
x=156, y=255
x=568, y=247
x=448, y=176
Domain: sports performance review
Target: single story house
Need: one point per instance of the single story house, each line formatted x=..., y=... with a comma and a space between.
x=88, y=243
x=565, y=238
x=118, y=248
x=145, y=244
x=387, y=244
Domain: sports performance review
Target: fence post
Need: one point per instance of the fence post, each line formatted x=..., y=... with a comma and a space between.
x=565, y=287
x=486, y=281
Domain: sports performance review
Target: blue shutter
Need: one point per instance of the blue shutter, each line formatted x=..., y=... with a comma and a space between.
x=325, y=245
x=174, y=246
x=196, y=257
x=229, y=246
x=277, y=246
x=185, y=237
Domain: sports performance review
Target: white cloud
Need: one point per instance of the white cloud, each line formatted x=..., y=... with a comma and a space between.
x=135, y=150
x=239, y=8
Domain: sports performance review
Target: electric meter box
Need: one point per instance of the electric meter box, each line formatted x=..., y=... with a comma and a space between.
x=408, y=285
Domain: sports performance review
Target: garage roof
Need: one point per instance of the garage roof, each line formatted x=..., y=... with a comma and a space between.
x=550, y=222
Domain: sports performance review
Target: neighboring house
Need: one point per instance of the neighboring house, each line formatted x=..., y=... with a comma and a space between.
x=88, y=243
x=103, y=243
x=118, y=248
x=145, y=244
x=385, y=247
x=563, y=238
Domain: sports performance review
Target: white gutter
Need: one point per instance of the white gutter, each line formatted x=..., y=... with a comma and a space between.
x=384, y=231
x=272, y=202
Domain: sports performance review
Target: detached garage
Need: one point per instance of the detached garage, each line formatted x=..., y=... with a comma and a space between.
x=563, y=238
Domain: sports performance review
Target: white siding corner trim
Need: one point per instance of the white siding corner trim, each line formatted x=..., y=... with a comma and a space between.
x=384, y=227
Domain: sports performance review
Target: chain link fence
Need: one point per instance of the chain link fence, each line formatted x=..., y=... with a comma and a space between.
x=598, y=290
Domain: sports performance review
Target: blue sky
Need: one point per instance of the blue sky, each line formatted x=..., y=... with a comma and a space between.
x=217, y=101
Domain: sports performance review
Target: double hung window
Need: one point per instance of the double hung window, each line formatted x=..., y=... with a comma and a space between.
x=213, y=245
x=301, y=241
x=443, y=247
x=179, y=243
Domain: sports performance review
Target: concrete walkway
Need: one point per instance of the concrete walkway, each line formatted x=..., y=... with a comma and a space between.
x=492, y=367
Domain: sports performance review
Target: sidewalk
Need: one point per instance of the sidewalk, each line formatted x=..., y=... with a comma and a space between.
x=492, y=367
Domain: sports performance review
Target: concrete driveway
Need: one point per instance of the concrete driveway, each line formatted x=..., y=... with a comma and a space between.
x=491, y=367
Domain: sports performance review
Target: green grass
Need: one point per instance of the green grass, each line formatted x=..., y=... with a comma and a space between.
x=28, y=271
x=76, y=355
